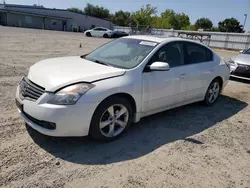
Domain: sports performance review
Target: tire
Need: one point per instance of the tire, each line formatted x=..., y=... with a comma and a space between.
x=105, y=35
x=103, y=131
x=88, y=34
x=213, y=89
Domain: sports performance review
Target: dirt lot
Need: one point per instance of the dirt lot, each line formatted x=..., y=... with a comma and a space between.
x=191, y=146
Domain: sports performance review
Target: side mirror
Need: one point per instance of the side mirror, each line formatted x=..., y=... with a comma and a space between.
x=242, y=51
x=159, y=66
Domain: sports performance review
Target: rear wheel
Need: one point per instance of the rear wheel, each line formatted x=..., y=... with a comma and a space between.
x=111, y=118
x=213, y=92
x=88, y=34
x=105, y=35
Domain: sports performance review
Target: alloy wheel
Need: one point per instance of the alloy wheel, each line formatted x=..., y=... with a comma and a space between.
x=213, y=92
x=114, y=120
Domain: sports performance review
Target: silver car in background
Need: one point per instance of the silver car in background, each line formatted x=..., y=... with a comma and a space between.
x=240, y=65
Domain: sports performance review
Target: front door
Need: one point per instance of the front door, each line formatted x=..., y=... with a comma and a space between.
x=162, y=89
x=95, y=32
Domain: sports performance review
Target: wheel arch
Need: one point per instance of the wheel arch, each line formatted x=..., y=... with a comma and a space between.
x=220, y=79
x=93, y=128
x=126, y=96
x=105, y=35
x=88, y=33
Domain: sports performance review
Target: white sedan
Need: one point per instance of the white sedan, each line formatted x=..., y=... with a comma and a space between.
x=103, y=92
x=98, y=32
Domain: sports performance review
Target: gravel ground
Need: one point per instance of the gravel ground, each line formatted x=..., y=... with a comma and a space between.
x=191, y=146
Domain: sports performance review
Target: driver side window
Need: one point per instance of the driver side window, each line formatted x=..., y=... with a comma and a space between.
x=171, y=53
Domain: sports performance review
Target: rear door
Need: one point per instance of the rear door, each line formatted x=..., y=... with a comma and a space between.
x=103, y=31
x=200, y=68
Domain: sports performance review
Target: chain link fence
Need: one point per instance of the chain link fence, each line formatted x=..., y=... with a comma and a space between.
x=231, y=41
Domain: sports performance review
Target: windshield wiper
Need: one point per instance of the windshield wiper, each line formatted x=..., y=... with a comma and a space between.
x=103, y=63
x=97, y=61
x=100, y=62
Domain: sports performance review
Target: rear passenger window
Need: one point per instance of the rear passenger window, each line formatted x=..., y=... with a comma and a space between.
x=196, y=53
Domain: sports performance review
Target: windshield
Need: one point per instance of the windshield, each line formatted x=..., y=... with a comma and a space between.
x=247, y=51
x=124, y=53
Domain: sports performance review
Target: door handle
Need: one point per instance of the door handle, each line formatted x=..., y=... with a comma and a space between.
x=211, y=70
x=182, y=76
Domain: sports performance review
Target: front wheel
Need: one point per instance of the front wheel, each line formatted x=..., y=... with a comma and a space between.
x=111, y=118
x=213, y=92
x=88, y=34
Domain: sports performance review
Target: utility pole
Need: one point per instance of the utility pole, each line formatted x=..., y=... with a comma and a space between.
x=244, y=21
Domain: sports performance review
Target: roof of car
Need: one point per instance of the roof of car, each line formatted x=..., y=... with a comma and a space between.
x=157, y=39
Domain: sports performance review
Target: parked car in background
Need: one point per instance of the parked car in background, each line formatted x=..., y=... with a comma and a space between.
x=240, y=65
x=117, y=34
x=98, y=32
x=103, y=92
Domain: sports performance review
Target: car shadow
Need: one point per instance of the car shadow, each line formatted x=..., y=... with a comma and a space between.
x=144, y=137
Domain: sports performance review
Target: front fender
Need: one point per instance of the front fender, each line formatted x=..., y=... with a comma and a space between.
x=105, y=88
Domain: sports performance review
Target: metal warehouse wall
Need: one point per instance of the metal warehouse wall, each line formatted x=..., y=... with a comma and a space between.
x=2, y=18
x=18, y=20
x=75, y=19
x=235, y=41
x=86, y=21
x=53, y=24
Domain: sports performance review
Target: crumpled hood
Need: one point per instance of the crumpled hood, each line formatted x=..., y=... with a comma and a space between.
x=53, y=74
x=242, y=59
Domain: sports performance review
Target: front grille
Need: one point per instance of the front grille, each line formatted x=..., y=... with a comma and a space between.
x=242, y=70
x=30, y=90
x=43, y=124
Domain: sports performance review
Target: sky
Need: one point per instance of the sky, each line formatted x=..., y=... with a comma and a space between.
x=215, y=10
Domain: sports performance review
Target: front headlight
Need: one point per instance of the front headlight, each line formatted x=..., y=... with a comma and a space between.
x=231, y=61
x=232, y=65
x=70, y=95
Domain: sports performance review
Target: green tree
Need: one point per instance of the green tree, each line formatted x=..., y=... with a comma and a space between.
x=145, y=15
x=121, y=18
x=100, y=12
x=203, y=23
x=189, y=28
x=77, y=10
x=230, y=25
x=160, y=23
x=176, y=20
x=215, y=29
x=169, y=16
x=182, y=20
